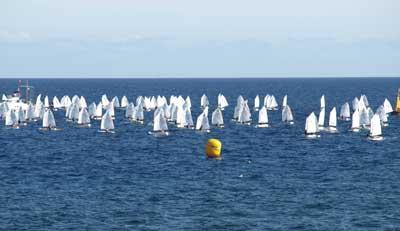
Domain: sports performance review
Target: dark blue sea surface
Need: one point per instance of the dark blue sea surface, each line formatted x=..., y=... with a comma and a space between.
x=269, y=179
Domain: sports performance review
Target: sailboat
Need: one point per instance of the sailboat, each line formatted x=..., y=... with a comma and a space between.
x=11, y=119
x=272, y=104
x=29, y=113
x=202, y=122
x=104, y=101
x=345, y=112
x=73, y=112
x=311, y=127
x=355, y=103
x=222, y=102
x=82, y=102
x=139, y=114
x=383, y=116
x=46, y=102
x=287, y=115
x=375, y=132
x=387, y=106
x=180, y=117
x=355, y=121
x=284, y=101
x=130, y=110
x=20, y=116
x=244, y=114
x=188, y=119
x=48, y=122
x=322, y=101
x=124, y=102
x=217, y=118
x=115, y=102
x=160, y=126
x=332, y=120
x=204, y=101
x=98, y=114
x=256, y=103
x=107, y=124
x=84, y=118
x=321, y=119
x=262, y=118
x=364, y=118
x=56, y=103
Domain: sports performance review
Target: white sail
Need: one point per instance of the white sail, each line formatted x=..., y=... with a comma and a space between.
x=188, y=102
x=321, y=117
x=38, y=109
x=124, y=102
x=20, y=115
x=263, y=116
x=110, y=109
x=46, y=102
x=56, y=103
x=29, y=113
x=189, y=119
x=244, y=114
x=332, y=118
x=38, y=99
x=84, y=117
x=160, y=123
x=345, y=111
x=74, y=112
x=365, y=100
x=107, y=122
x=257, y=102
x=284, y=101
x=115, y=101
x=387, y=106
x=82, y=102
x=355, y=120
x=364, y=117
x=382, y=115
x=139, y=113
x=311, y=127
x=129, y=112
x=322, y=101
x=355, y=104
x=202, y=122
x=48, y=119
x=104, y=101
x=180, y=117
x=204, y=101
x=11, y=118
x=272, y=103
x=267, y=101
x=376, y=129
x=92, y=109
x=216, y=118
x=287, y=115
x=99, y=111
x=222, y=102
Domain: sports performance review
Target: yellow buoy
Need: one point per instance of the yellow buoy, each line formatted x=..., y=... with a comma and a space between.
x=213, y=148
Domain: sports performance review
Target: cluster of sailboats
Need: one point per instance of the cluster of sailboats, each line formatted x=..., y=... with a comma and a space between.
x=362, y=117
x=177, y=111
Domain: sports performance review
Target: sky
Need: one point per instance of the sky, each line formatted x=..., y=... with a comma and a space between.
x=185, y=38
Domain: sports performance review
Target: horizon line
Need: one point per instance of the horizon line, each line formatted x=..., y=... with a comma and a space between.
x=197, y=77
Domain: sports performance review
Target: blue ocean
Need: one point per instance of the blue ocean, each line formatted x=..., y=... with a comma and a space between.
x=268, y=179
